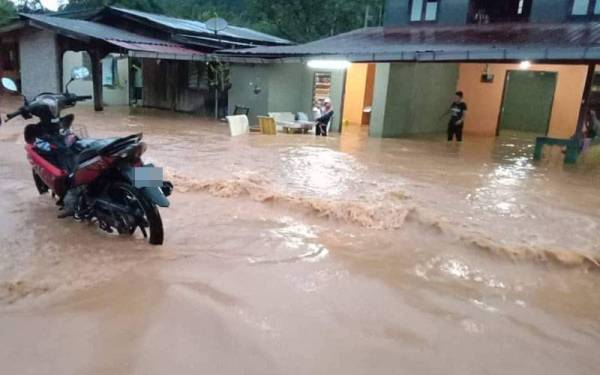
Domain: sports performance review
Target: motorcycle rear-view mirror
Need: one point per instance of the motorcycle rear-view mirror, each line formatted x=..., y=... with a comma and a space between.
x=80, y=73
x=9, y=85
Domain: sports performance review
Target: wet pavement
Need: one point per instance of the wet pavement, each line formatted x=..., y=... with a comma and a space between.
x=296, y=254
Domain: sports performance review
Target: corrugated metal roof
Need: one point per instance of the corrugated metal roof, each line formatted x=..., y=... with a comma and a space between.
x=188, y=26
x=121, y=38
x=92, y=29
x=566, y=41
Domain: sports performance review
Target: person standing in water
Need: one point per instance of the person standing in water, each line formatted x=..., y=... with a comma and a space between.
x=457, y=111
x=325, y=119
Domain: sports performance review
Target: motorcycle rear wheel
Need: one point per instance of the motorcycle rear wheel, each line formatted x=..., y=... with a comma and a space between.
x=39, y=184
x=125, y=193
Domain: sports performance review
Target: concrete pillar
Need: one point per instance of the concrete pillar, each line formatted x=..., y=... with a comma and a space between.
x=97, y=80
x=40, y=62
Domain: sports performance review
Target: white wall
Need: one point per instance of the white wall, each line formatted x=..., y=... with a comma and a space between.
x=119, y=96
x=39, y=58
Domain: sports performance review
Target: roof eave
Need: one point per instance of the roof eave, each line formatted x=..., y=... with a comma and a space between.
x=17, y=24
x=506, y=54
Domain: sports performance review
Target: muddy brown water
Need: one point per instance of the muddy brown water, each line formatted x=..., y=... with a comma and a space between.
x=301, y=255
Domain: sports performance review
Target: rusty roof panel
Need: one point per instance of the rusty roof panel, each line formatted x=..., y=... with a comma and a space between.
x=156, y=48
x=508, y=41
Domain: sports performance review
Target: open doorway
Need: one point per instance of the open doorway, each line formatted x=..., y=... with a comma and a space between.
x=358, y=94
x=527, y=102
x=321, y=92
x=136, y=82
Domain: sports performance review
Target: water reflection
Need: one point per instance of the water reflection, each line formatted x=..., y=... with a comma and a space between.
x=319, y=171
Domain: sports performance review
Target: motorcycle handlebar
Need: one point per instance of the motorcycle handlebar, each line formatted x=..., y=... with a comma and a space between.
x=71, y=99
x=10, y=116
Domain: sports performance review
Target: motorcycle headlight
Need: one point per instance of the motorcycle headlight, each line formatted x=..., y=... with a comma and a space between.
x=140, y=149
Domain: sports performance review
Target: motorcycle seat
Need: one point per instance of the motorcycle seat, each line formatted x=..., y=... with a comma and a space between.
x=89, y=148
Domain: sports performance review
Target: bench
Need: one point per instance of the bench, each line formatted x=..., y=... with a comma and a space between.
x=572, y=148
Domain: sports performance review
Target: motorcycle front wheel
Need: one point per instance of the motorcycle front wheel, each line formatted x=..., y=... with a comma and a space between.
x=146, y=216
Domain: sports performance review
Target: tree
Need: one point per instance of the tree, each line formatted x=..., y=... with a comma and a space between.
x=7, y=11
x=306, y=20
x=152, y=6
x=30, y=6
x=296, y=20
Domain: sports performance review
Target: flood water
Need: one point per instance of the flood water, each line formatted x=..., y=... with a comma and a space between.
x=292, y=254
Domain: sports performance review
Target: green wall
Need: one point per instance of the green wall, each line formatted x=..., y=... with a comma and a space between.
x=410, y=97
x=550, y=10
x=243, y=79
x=286, y=87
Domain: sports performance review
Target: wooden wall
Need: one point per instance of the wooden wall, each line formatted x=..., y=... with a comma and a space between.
x=166, y=87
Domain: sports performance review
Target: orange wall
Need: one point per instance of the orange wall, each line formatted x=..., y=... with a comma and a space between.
x=485, y=99
x=354, y=101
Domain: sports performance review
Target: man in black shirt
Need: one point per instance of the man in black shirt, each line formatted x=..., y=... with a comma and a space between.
x=457, y=112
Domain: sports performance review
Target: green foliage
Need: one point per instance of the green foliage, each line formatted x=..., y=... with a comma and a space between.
x=153, y=6
x=29, y=6
x=296, y=20
x=203, y=10
x=7, y=11
x=306, y=20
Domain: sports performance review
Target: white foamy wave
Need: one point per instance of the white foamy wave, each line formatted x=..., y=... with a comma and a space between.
x=392, y=211
x=375, y=214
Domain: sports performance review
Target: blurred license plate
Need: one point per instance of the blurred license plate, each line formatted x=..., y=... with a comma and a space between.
x=147, y=177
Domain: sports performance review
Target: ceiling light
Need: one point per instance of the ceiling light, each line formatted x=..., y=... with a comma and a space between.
x=524, y=65
x=329, y=64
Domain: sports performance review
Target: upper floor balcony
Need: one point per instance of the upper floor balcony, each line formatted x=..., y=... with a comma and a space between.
x=473, y=11
x=493, y=11
x=460, y=12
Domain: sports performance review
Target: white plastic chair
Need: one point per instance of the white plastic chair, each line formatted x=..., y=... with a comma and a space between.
x=238, y=125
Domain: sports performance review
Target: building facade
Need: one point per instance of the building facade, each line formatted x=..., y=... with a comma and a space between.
x=523, y=65
x=149, y=59
x=464, y=12
x=496, y=104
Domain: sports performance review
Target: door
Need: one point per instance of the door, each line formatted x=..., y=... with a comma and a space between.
x=527, y=103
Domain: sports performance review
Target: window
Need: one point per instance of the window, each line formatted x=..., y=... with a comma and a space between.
x=424, y=10
x=583, y=8
x=9, y=60
x=321, y=89
x=580, y=7
x=197, y=76
x=520, y=8
x=431, y=10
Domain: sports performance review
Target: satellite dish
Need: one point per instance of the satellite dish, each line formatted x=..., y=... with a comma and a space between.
x=216, y=24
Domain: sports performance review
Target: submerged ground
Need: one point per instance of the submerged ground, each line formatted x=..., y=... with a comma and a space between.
x=301, y=255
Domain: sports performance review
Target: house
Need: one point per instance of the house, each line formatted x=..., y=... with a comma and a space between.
x=153, y=60
x=526, y=65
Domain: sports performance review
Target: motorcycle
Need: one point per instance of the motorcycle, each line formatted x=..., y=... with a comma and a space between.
x=95, y=180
